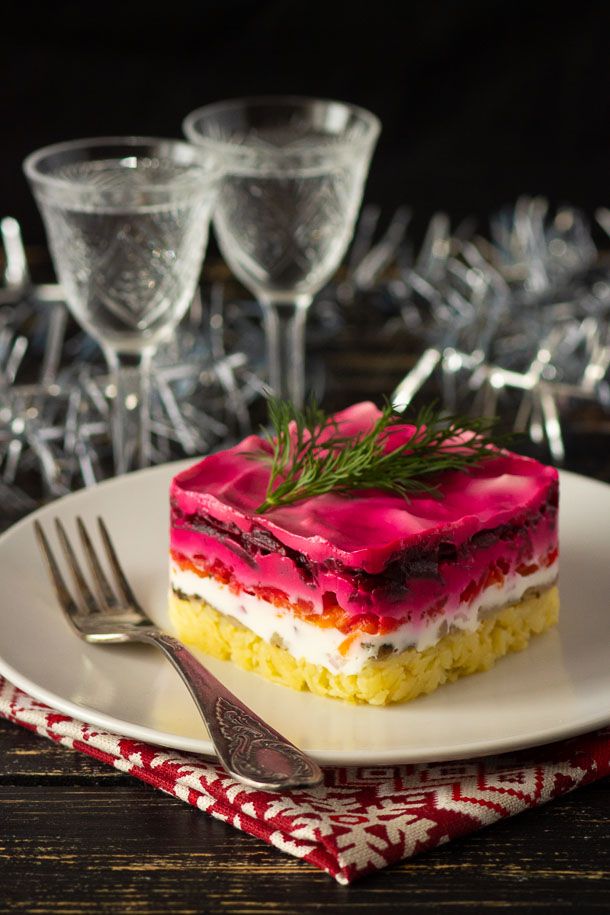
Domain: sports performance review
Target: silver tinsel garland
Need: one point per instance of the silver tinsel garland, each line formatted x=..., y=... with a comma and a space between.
x=525, y=310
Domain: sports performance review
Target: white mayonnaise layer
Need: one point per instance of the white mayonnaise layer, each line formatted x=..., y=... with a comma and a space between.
x=321, y=646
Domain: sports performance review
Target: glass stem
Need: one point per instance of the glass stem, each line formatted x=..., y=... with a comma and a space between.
x=284, y=324
x=130, y=418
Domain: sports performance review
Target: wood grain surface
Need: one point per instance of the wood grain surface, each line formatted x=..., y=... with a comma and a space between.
x=78, y=837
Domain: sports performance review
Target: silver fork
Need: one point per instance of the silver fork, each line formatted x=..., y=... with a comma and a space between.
x=248, y=748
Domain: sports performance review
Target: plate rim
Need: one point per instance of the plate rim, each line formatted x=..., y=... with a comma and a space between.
x=201, y=747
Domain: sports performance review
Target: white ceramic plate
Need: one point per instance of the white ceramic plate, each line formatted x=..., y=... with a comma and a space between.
x=557, y=688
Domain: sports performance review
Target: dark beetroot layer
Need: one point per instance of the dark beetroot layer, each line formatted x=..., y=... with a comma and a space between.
x=428, y=560
x=370, y=552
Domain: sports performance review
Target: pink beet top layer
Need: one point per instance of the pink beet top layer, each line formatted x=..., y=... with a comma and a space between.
x=367, y=530
x=374, y=551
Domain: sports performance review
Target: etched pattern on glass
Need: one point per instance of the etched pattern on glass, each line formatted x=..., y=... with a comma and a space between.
x=285, y=234
x=129, y=267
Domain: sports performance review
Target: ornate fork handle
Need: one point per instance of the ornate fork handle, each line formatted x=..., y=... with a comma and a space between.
x=248, y=748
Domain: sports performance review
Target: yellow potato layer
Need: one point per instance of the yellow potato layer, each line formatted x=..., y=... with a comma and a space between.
x=398, y=678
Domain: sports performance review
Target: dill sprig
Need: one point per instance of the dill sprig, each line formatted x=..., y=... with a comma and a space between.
x=309, y=455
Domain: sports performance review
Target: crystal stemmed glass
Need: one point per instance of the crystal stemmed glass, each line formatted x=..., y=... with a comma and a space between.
x=127, y=221
x=293, y=175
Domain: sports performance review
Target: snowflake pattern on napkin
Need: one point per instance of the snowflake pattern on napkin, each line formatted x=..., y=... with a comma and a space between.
x=362, y=818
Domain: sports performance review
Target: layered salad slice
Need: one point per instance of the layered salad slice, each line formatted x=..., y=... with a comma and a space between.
x=369, y=594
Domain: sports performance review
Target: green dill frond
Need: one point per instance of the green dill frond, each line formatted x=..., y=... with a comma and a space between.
x=309, y=456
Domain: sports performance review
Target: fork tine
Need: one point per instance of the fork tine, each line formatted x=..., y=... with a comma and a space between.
x=64, y=597
x=106, y=595
x=120, y=577
x=82, y=588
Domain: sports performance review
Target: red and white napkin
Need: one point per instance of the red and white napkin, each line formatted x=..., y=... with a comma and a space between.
x=362, y=818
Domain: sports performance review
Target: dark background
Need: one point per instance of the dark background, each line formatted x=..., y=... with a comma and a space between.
x=480, y=100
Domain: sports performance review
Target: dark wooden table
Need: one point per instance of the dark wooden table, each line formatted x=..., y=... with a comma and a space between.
x=79, y=837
